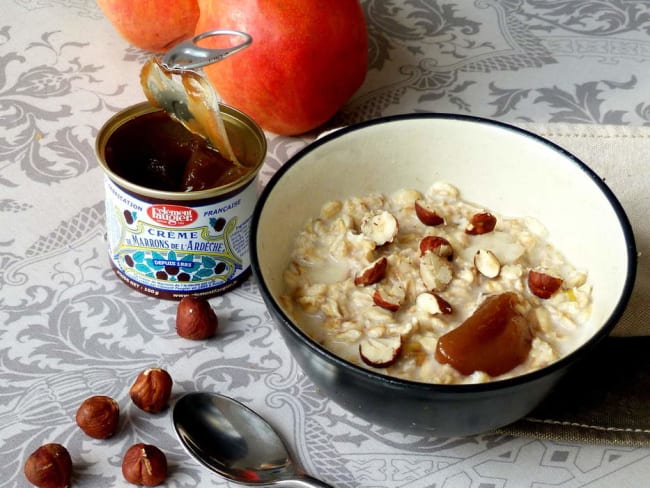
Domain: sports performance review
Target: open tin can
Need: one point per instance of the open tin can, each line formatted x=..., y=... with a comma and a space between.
x=170, y=244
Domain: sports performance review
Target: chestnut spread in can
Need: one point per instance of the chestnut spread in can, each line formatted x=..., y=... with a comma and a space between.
x=177, y=213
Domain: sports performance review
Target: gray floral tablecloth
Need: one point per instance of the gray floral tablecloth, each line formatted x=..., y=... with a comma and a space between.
x=69, y=328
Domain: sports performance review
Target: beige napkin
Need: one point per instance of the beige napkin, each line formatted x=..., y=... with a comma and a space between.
x=606, y=399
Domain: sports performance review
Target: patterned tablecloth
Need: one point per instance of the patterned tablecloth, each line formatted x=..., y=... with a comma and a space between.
x=69, y=328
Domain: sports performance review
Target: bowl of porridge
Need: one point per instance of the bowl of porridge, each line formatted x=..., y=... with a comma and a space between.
x=437, y=273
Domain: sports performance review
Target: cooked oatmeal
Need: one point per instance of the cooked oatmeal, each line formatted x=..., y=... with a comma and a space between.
x=381, y=281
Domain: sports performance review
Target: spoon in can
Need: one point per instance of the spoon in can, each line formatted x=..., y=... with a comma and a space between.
x=175, y=83
x=235, y=442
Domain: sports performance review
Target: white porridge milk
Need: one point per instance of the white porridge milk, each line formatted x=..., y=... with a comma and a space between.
x=383, y=280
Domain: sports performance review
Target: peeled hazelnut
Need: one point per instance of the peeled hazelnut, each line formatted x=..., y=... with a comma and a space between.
x=380, y=352
x=98, y=416
x=437, y=245
x=436, y=272
x=433, y=304
x=372, y=273
x=481, y=223
x=487, y=263
x=542, y=284
x=426, y=214
x=389, y=298
x=49, y=466
x=195, y=318
x=381, y=228
x=144, y=464
x=151, y=390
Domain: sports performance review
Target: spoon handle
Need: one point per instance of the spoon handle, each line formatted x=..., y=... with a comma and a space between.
x=303, y=481
x=310, y=482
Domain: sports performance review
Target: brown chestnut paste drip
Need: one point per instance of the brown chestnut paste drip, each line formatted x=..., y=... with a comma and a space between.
x=157, y=152
x=494, y=339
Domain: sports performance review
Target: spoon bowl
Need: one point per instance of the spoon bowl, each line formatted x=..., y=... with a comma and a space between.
x=235, y=442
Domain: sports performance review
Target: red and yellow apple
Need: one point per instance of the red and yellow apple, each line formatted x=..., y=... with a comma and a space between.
x=307, y=58
x=152, y=25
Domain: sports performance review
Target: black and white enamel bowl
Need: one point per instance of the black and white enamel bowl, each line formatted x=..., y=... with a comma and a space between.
x=503, y=168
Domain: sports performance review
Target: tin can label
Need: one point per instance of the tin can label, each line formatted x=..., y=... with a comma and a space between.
x=172, y=249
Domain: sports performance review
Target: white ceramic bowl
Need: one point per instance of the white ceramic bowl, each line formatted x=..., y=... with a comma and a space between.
x=503, y=168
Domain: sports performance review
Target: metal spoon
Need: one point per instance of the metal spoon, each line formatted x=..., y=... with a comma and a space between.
x=235, y=442
x=175, y=84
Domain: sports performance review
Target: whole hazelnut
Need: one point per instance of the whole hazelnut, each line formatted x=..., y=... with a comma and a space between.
x=98, y=416
x=151, y=390
x=195, y=318
x=49, y=466
x=144, y=464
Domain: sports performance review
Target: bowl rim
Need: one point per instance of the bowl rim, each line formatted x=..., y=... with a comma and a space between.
x=490, y=386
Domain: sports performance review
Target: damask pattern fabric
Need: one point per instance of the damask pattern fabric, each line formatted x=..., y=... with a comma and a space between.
x=69, y=327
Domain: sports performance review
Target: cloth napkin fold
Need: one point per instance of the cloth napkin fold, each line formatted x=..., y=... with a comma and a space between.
x=606, y=398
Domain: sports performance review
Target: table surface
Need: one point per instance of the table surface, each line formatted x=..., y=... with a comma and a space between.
x=69, y=328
